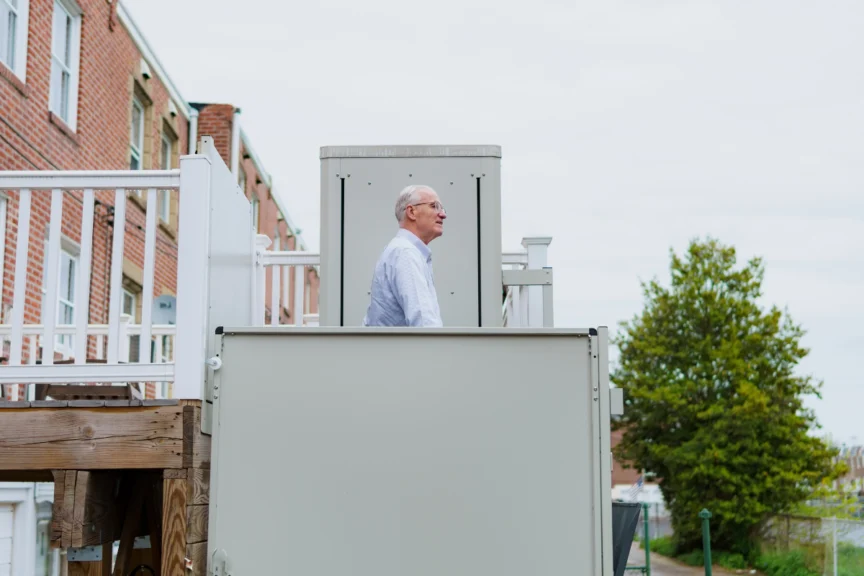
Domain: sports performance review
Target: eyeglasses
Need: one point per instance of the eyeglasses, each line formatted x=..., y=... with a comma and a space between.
x=435, y=206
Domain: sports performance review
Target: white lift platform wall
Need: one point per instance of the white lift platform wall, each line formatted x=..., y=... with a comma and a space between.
x=406, y=452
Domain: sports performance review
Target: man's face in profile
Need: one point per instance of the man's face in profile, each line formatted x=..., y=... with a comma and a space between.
x=429, y=216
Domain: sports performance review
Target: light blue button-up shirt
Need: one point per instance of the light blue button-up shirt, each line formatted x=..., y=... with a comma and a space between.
x=403, y=289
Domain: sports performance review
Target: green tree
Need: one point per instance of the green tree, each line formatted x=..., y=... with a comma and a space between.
x=713, y=404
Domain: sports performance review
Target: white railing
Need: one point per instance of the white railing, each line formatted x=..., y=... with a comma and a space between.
x=222, y=277
x=528, y=304
x=289, y=273
x=30, y=191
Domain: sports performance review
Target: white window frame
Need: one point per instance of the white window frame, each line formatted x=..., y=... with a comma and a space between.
x=164, y=198
x=136, y=149
x=71, y=251
x=61, y=341
x=18, y=65
x=20, y=496
x=134, y=298
x=72, y=67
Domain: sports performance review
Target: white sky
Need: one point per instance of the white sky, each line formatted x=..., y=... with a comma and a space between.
x=627, y=128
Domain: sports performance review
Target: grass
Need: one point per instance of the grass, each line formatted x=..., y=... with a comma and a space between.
x=785, y=564
x=665, y=546
x=795, y=563
x=850, y=560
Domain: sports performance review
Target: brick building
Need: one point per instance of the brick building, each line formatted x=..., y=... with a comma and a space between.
x=80, y=89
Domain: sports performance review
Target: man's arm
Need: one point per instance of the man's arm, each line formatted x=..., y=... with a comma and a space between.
x=413, y=293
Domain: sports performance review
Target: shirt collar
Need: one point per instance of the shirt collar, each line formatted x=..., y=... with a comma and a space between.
x=411, y=237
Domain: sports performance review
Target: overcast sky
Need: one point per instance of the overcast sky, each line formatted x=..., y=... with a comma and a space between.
x=627, y=128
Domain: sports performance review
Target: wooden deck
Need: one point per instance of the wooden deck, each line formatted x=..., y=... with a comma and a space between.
x=121, y=469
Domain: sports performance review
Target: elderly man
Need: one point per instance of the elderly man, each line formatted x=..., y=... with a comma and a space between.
x=403, y=289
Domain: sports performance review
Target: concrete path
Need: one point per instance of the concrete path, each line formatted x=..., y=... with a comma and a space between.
x=663, y=566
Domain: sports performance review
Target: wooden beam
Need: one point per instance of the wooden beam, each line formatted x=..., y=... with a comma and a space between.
x=68, y=507
x=58, y=508
x=26, y=476
x=81, y=482
x=197, y=519
x=199, y=486
x=85, y=569
x=197, y=554
x=100, y=521
x=131, y=523
x=174, y=527
x=96, y=438
x=196, y=445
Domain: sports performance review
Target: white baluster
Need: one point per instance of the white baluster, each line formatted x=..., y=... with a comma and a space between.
x=299, y=287
x=116, y=300
x=275, y=308
x=50, y=307
x=149, y=266
x=82, y=284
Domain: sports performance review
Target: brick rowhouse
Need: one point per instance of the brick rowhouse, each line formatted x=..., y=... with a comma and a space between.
x=113, y=72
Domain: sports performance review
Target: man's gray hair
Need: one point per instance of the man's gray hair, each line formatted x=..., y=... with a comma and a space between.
x=408, y=196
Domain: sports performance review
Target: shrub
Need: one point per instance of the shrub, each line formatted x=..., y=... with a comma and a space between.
x=729, y=560
x=665, y=546
x=785, y=564
x=693, y=558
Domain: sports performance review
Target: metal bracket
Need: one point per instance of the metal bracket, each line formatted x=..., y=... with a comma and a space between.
x=94, y=553
x=533, y=277
x=219, y=566
x=616, y=401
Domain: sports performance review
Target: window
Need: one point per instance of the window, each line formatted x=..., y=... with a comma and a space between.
x=255, y=210
x=13, y=22
x=66, y=300
x=129, y=304
x=64, y=61
x=136, y=135
x=165, y=163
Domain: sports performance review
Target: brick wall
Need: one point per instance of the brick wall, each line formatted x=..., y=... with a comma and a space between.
x=33, y=138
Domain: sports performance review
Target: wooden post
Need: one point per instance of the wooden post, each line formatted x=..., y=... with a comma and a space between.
x=174, y=491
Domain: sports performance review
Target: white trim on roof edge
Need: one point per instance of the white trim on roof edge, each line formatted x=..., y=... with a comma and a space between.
x=300, y=244
x=147, y=53
x=265, y=176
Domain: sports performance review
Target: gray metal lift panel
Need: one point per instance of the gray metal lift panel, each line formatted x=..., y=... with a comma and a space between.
x=396, y=452
x=359, y=187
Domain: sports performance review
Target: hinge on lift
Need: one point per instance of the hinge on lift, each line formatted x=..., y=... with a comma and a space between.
x=219, y=566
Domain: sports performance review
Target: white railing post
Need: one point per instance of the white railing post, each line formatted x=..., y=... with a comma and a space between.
x=514, y=315
x=262, y=242
x=193, y=284
x=299, y=296
x=537, y=248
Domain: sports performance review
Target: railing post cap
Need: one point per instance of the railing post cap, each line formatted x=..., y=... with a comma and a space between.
x=705, y=514
x=536, y=241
